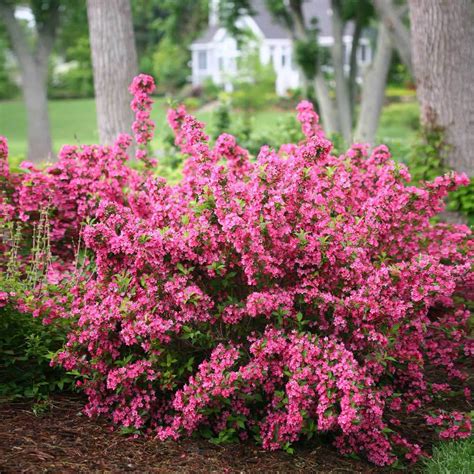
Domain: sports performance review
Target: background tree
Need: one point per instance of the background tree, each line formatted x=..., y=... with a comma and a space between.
x=72, y=46
x=32, y=54
x=442, y=36
x=394, y=17
x=8, y=88
x=337, y=115
x=373, y=88
x=114, y=61
x=178, y=24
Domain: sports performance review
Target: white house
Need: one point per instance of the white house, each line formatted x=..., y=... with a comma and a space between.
x=215, y=52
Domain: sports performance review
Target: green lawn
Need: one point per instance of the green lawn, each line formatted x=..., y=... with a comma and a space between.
x=452, y=457
x=74, y=121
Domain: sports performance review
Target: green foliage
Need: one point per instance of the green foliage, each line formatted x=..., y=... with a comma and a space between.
x=209, y=90
x=284, y=129
x=338, y=142
x=221, y=119
x=26, y=349
x=254, y=86
x=170, y=65
x=43, y=10
x=164, y=30
x=425, y=159
x=360, y=10
x=399, y=75
x=181, y=20
x=7, y=88
x=426, y=162
x=229, y=14
x=76, y=82
x=307, y=56
x=27, y=346
x=462, y=200
x=453, y=457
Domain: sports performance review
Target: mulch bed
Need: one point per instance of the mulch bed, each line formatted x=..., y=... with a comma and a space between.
x=62, y=440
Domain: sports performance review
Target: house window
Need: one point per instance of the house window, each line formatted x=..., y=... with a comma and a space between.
x=220, y=62
x=291, y=61
x=363, y=53
x=283, y=60
x=202, y=60
x=272, y=54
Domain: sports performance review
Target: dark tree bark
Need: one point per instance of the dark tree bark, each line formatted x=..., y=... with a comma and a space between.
x=33, y=64
x=442, y=33
x=114, y=61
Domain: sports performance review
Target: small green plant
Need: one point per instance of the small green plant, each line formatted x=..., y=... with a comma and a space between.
x=26, y=344
x=26, y=349
x=254, y=87
x=426, y=163
x=76, y=81
x=221, y=122
x=426, y=157
x=169, y=64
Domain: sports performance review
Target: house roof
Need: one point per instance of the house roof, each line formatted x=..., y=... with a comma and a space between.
x=207, y=36
x=272, y=29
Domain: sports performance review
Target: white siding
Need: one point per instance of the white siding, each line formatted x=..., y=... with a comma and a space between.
x=221, y=55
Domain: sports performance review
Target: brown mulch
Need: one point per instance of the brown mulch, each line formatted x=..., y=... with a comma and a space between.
x=62, y=440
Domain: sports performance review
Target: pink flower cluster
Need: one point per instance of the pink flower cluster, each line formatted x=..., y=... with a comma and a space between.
x=72, y=188
x=143, y=127
x=455, y=425
x=297, y=294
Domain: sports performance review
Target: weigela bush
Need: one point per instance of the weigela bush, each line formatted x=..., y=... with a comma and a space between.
x=302, y=293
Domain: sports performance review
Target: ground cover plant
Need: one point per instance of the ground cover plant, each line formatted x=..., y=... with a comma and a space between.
x=298, y=294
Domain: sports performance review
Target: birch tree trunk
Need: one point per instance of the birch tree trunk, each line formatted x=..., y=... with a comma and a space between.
x=442, y=35
x=327, y=107
x=400, y=34
x=114, y=61
x=342, y=88
x=373, y=89
x=33, y=62
x=34, y=85
x=353, y=66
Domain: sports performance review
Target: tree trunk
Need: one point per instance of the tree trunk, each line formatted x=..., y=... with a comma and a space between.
x=373, y=89
x=442, y=35
x=399, y=33
x=34, y=73
x=342, y=89
x=299, y=32
x=114, y=61
x=353, y=64
x=36, y=101
x=326, y=105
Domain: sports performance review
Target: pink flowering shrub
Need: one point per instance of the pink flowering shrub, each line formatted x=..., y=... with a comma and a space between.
x=72, y=188
x=297, y=294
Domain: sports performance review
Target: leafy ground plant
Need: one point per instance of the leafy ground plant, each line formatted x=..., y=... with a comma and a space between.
x=301, y=294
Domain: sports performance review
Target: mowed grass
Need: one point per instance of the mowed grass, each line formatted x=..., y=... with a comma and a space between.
x=453, y=457
x=74, y=122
